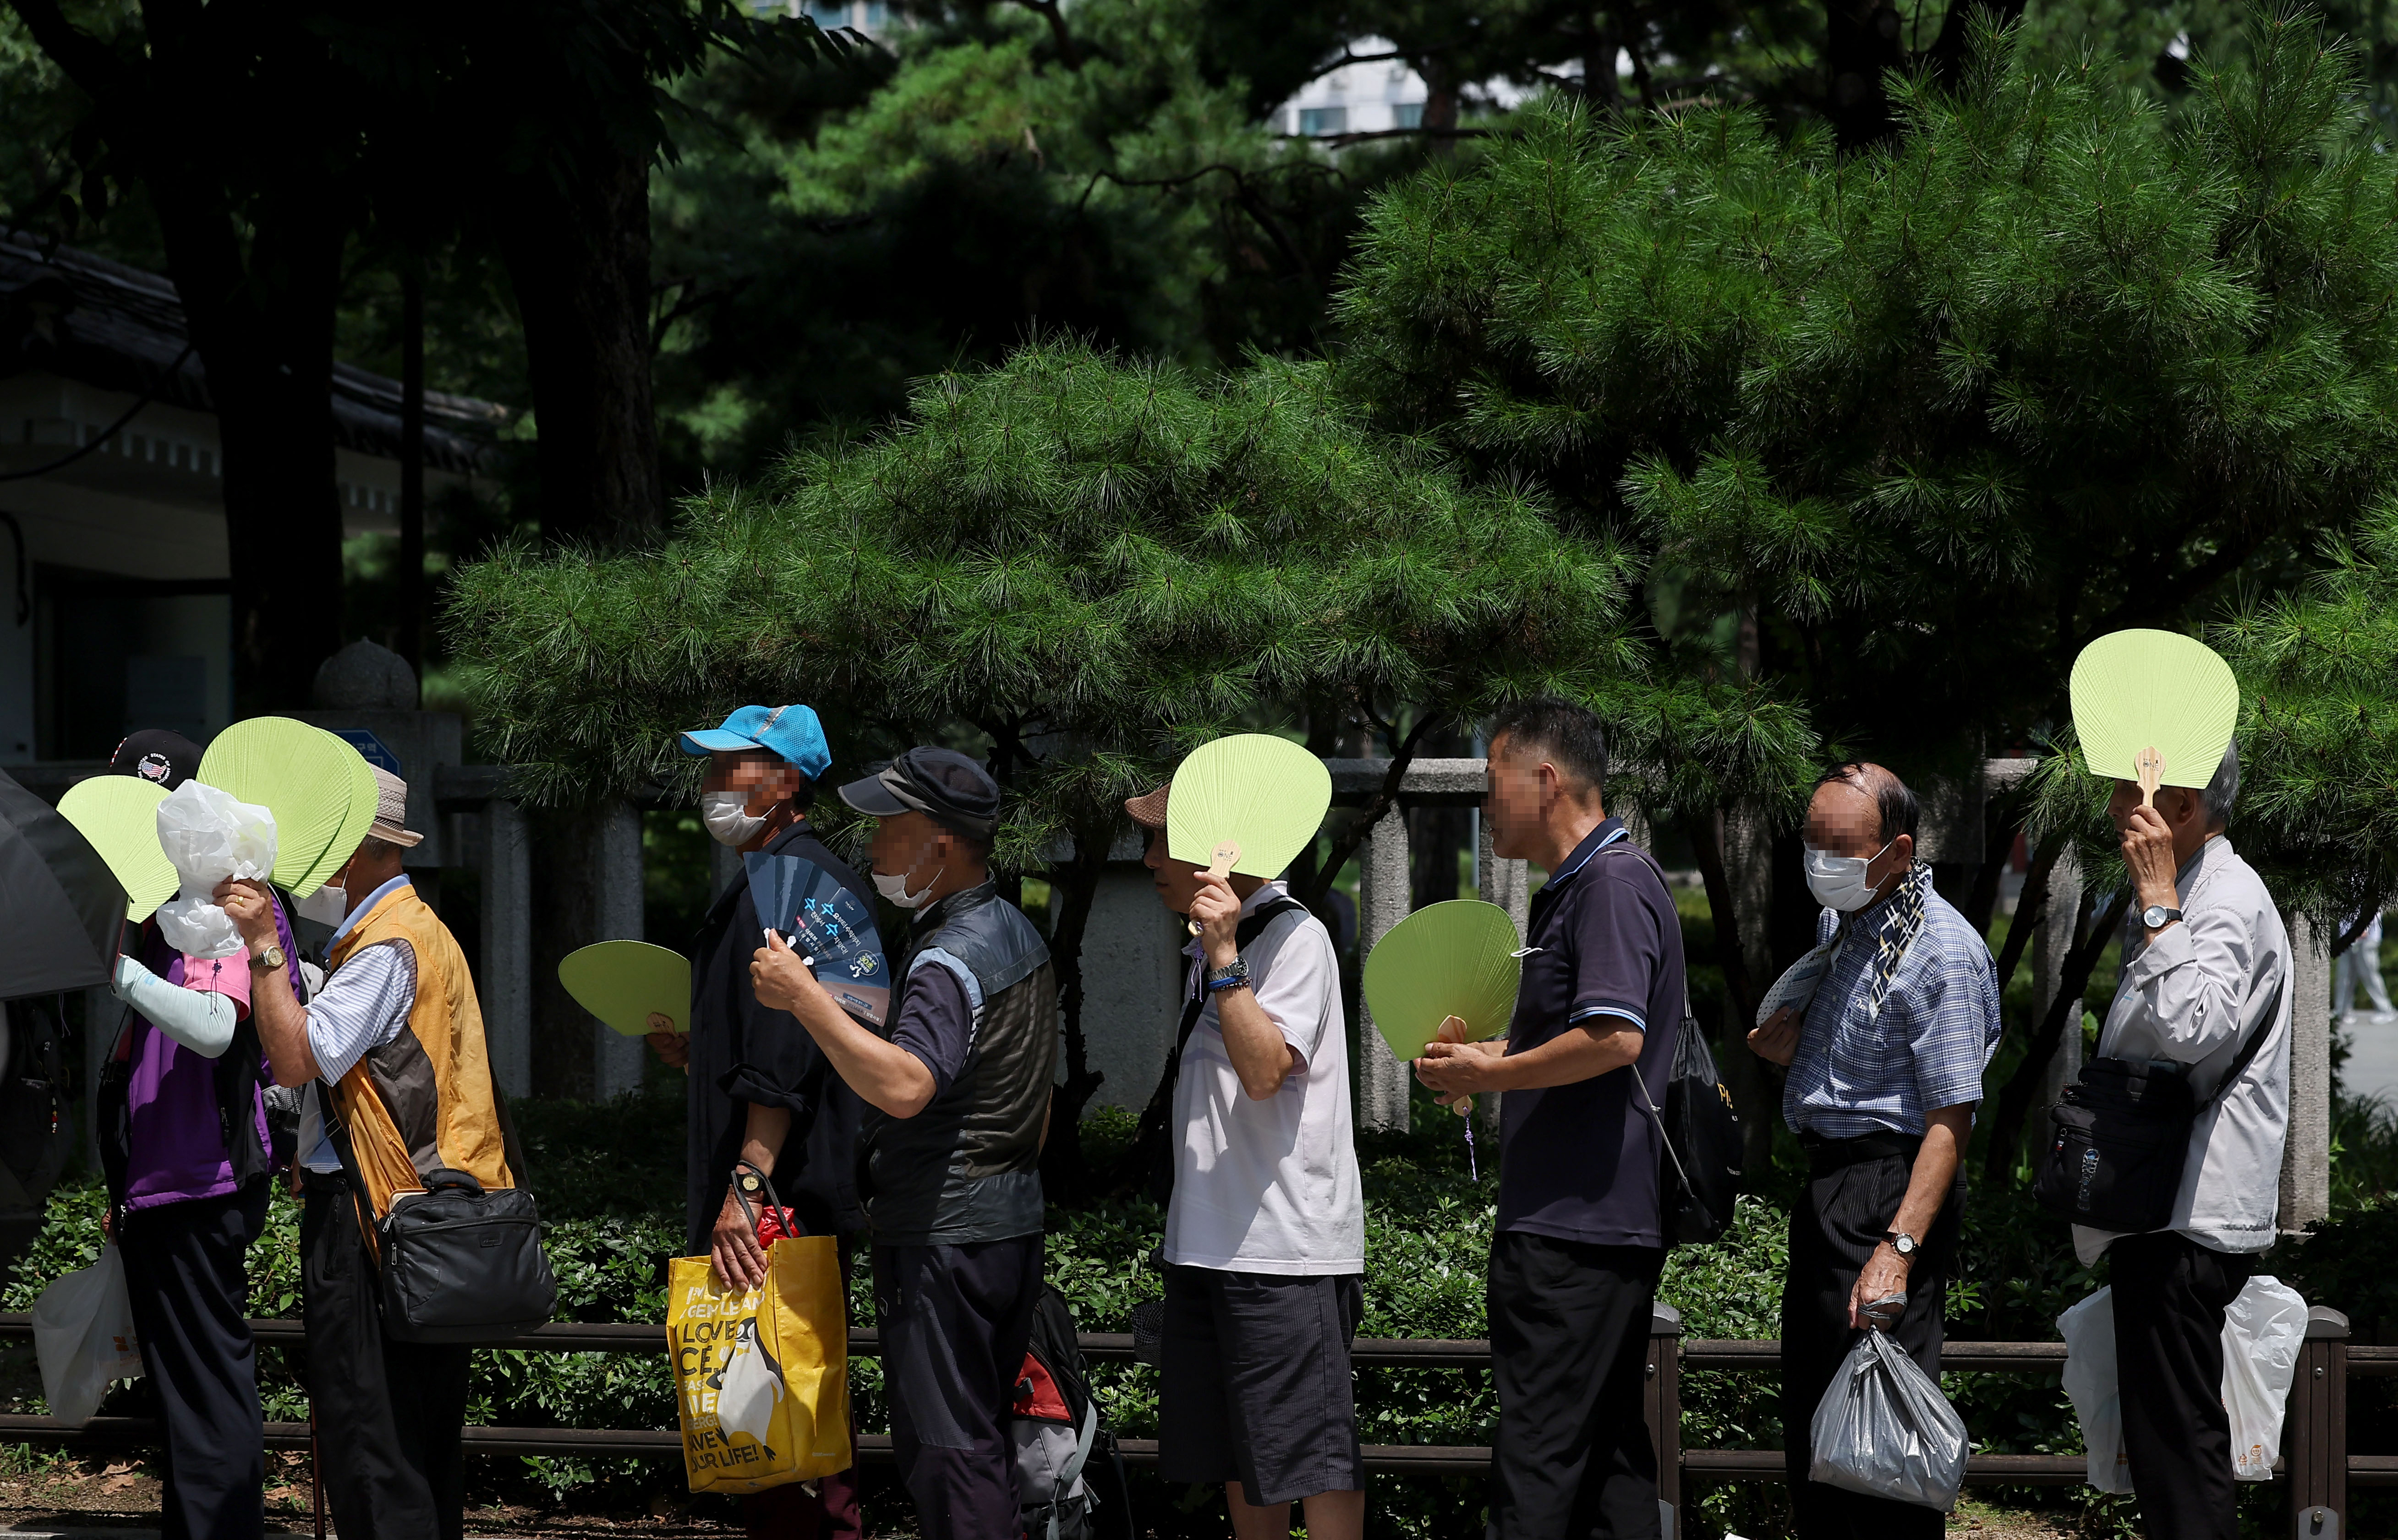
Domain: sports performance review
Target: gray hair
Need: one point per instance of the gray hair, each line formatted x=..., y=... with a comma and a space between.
x=2224, y=790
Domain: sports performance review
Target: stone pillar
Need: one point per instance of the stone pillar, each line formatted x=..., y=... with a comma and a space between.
x=507, y=946
x=1133, y=972
x=616, y=859
x=2306, y=1159
x=2051, y=944
x=1507, y=883
x=1383, y=901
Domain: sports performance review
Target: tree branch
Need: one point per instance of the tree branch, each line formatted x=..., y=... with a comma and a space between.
x=2170, y=592
x=1384, y=800
x=1052, y=12
x=2014, y=1102
x=2031, y=907
x=87, y=61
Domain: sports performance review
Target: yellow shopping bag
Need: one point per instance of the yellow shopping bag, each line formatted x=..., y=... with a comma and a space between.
x=761, y=1378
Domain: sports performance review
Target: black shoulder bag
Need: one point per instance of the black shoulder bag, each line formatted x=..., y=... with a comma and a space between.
x=459, y=1263
x=2118, y=1138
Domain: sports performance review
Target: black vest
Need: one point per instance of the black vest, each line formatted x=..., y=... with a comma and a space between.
x=967, y=1167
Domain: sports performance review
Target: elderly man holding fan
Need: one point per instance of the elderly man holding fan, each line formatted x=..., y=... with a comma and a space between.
x=2167, y=1153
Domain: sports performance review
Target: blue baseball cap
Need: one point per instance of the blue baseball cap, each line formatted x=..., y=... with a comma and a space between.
x=791, y=731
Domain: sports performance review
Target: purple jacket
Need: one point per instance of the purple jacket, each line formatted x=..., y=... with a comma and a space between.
x=175, y=1131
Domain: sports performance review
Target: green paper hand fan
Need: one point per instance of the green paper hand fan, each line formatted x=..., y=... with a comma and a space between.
x=627, y=983
x=1248, y=804
x=2137, y=691
x=119, y=816
x=321, y=790
x=1448, y=959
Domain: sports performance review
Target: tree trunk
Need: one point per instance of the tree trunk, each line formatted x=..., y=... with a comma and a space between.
x=578, y=259
x=1745, y=1074
x=1862, y=42
x=263, y=331
x=1064, y=1175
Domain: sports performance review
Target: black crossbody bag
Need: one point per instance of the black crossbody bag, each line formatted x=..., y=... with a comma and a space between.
x=457, y=1262
x=2118, y=1138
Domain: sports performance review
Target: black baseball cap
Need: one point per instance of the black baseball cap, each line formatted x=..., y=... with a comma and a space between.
x=157, y=755
x=940, y=783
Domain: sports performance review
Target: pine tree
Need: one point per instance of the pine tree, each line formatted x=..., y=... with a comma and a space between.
x=1904, y=430
x=1088, y=567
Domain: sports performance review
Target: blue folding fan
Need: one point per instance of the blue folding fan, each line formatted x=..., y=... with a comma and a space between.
x=826, y=923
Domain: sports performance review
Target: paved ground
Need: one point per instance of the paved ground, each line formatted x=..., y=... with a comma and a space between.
x=2372, y=1067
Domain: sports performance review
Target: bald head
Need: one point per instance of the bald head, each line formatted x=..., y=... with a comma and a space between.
x=1864, y=811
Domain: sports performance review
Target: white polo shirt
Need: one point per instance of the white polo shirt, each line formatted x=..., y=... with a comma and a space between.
x=1270, y=1186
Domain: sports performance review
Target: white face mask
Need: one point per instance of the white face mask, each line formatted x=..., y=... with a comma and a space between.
x=728, y=817
x=330, y=905
x=1838, y=882
x=894, y=887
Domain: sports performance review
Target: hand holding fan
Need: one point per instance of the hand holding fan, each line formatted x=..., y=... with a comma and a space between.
x=829, y=924
x=1448, y=972
x=632, y=986
x=2153, y=707
x=321, y=790
x=1248, y=804
x=119, y=816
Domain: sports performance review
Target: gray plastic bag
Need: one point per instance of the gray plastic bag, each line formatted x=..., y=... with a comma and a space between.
x=1884, y=1429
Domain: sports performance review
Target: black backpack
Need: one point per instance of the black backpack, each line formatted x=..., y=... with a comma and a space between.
x=1699, y=1175
x=1070, y=1476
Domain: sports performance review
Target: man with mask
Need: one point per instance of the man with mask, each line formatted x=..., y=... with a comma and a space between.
x=394, y=1048
x=1886, y=1059
x=761, y=1092
x=958, y=1093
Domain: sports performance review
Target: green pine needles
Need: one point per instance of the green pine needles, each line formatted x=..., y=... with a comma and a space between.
x=1097, y=565
x=1935, y=415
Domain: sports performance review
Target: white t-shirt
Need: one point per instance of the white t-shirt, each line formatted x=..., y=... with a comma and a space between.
x=1271, y=1186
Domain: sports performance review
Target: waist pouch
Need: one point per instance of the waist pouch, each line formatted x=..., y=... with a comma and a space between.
x=2119, y=1139
x=462, y=1264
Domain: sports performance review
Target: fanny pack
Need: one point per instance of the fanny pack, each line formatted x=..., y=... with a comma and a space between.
x=2119, y=1139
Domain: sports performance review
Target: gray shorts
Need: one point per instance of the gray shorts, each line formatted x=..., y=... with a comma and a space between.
x=1256, y=1385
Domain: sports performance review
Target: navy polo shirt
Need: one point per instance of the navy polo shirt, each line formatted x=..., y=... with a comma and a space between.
x=1581, y=1161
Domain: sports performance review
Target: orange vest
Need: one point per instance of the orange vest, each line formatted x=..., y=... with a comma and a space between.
x=425, y=1099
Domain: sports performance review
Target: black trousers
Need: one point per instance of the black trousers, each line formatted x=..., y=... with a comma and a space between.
x=956, y=1320
x=2170, y=1295
x=1570, y=1355
x=387, y=1412
x=1848, y=1204
x=191, y=1304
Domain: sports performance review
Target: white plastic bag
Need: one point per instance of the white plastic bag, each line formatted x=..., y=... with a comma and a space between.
x=83, y=1334
x=1884, y=1429
x=208, y=836
x=2263, y=1330
x=2089, y=1332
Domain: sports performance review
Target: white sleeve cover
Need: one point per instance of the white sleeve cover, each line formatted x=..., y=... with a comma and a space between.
x=199, y=1019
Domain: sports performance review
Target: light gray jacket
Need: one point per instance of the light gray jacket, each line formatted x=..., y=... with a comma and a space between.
x=2192, y=994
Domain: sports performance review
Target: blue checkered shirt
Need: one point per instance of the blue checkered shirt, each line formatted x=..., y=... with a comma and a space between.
x=1856, y=1073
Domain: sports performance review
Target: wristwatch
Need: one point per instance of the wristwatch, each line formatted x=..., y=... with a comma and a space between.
x=751, y=1183
x=267, y=961
x=1901, y=1243
x=2157, y=916
x=1234, y=977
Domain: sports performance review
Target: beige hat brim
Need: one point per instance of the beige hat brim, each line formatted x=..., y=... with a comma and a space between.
x=393, y=834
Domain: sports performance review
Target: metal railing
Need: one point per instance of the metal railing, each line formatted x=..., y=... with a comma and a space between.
x=2318, y=1465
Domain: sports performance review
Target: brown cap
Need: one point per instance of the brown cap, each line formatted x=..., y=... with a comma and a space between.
x=1149, y=811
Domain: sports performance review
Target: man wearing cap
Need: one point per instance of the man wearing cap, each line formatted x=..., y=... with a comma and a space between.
x=185, y=1200
x=396, y=1036
x=957, y=1103
x=761, y=1094
x=1265, y=1231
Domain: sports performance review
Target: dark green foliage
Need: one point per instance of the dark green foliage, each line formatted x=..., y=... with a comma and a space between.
x=1096, y=564
x=1934, y=415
